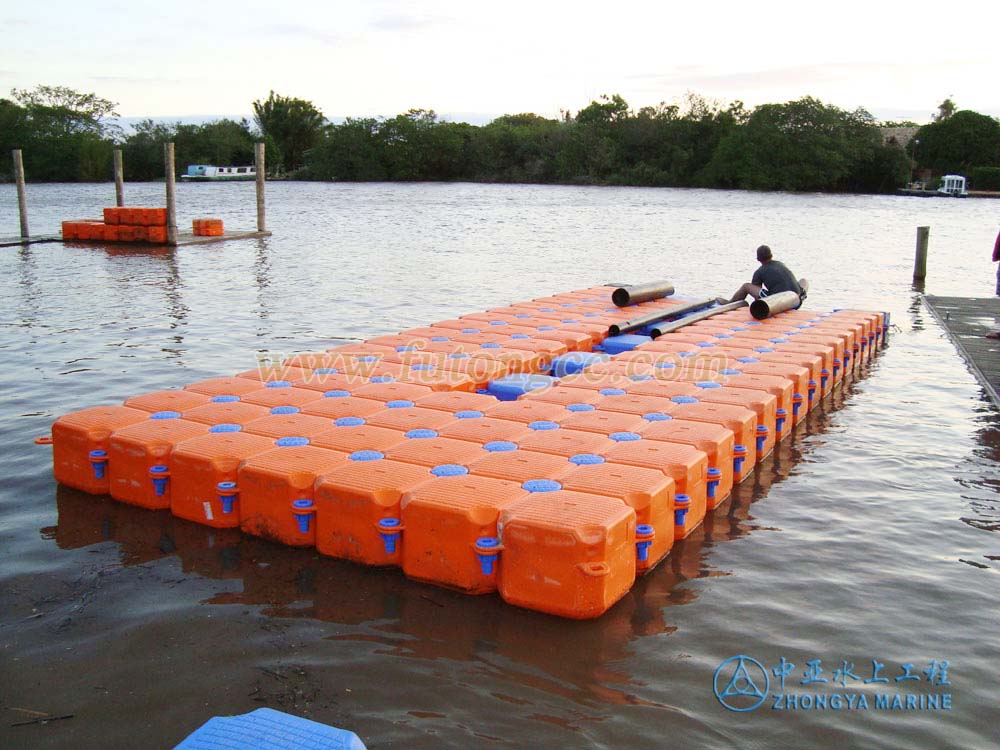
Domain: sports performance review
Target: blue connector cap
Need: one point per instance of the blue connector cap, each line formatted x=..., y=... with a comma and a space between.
x=390, y=529
x=714, y=477
x=304, y=510
x=160, y=475
x=586, y=459
x=541, y=485
x=278, y=384
x=98, y=460
x=500, y=446
x=285, y=410
x=580, y=407
x=488, y=550
x=227, y=495
x=656, y=416
x=739, y=456
x=682, y=504
x=782, y=415
x=812, y=389
x=644, y=533
x=225, y=399
x=761, y=436
x=469, y=414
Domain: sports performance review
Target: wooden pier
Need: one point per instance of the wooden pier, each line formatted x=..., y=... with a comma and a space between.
x=967, y=321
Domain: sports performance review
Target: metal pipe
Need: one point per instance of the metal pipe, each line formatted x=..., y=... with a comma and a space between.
x=920, y=259
x=703, y=315
x=655, y=317
x=773, y=304
x=633, y=295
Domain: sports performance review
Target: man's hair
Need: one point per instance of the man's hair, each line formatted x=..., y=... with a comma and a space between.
x=763, y=253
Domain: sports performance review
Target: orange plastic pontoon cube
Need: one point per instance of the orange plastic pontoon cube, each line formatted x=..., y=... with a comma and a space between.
x=80, y=445
x=603, y=422
x=281, y=393
x=563, y=395
x=392, y=391
x=567, y=553
x=516, y=360
x=426, y=448
x=445, y=521
x=566, y=442
x=685, y=464
x=339, y=404
x=526, y=411
x=353, y=502
x=483, y=431
x=225, y=412
x=200, y=468
x=139, y=459
x=171, y=400
x=515, y=465
x=478, y=369
x=276, y=491
x=410, y=417
x=278, y=373
x=456, y=401
x=349, y=435
x=715, y=440
x=739, y=419
x=762, y=403
x=224, y=386
x=647, y=491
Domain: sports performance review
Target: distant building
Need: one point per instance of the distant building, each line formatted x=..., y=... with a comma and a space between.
x=898, y=136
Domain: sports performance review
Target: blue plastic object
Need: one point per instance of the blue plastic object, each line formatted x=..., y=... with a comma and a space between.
x=227, y=495
x=543, y=425
x=708, y=384
x=500, y=446
x=304, y=510
x=166, y=415
x=459, y=355
x=512, y=387
x=291, y=442
x=399, y=403
x=782, y=415
x=488, y=555
x=421, y=434
x=366, y=456
x=730, y=371
x=98, y=460
x=704, y=344
x=824, y=376
x=612, y=392
x=406, y=348
x=573, y=362
x=747, y=360
x=684, y=399
x=682, y=504
x=225, y=428
x=285, y=410
x=640, y=378
x=389, y=529
x=348, y=421
x=739, y=456
x=624, y=343
x=278, y=384
x=714, y=477
x=326, y=371
x=812, y=389
x=225, y=399
x=337, y=393
x=382, y=379
x=586, y=459
x=761, y=436
x=423, y=367
x=439, y=339
x=645, y=531
x=541, y=485
x=656, y=416
x=449, y=470
x=469, y=414
x=581, y=407
x=267, y=729
x=625, y=437
x=160, y=475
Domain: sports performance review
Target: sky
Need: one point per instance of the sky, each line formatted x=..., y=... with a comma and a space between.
x=474, y=61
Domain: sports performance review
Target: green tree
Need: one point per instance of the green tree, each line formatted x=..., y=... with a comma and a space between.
x=294, y=126
x=958, y=143
x=945, y=110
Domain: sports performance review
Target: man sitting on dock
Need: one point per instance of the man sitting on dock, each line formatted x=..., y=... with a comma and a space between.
x=770, y=278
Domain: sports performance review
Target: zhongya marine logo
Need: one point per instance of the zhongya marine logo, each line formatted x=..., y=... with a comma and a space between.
x=741, y=683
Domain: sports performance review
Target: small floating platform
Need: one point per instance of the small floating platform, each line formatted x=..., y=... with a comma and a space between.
x=967, y=321
x=519, y=451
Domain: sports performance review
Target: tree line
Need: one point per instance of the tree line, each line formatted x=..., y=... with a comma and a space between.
x=803, y=145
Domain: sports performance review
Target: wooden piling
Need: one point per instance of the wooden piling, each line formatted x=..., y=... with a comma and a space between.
x=171, y=175
x=119, y=179
x=920, y=261
x=22, y=198
x=260, y=166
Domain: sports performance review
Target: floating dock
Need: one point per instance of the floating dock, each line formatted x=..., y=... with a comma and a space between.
x=967, y=321
x=521, y=451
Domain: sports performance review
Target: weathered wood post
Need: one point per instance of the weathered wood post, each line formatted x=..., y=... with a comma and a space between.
x=119, y=179
x=170, y=174
x=920, y=262
x=259, y=162
x=22, y=198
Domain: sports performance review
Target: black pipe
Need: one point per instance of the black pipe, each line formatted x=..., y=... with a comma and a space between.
x=633, y=295
x=655, y=317
x=703, y=315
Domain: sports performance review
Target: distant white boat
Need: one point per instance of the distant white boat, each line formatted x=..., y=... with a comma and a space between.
x=954, y=185
x=209, y=173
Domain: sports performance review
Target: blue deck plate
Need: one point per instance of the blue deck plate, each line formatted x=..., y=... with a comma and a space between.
x=267, y=729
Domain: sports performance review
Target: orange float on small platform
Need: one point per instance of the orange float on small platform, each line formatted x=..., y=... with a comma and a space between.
x=567, y=553
x=80, y=445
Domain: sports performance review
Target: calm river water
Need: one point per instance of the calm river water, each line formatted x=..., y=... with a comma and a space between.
x=871, y=535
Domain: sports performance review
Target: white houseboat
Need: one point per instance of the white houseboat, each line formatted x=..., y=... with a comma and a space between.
x=208, y=173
